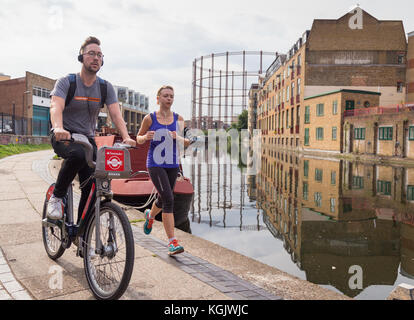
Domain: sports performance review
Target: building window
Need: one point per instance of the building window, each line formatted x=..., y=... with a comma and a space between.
x=41, y=92
x=319, y=133
x=305, y=168
x=307, y=114
x=319, y=109
x=400, y=59
x=359, y=133
x=305, y=191
x=333, y=201
x=333, y=177
x=410, y=193
x=384, y=187
x=318, y=175
x=385, y=133
x=334, y=131
x=318, y=199
x=306, y=140
x=335, y=107
x=411, y=133
x=357, y=182
x=400, y=86
x=287, y=118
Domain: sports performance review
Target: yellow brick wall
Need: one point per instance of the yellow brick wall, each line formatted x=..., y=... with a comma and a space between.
x=327, y=121
x=410, y=176
x=325, y=188
x=384, y=173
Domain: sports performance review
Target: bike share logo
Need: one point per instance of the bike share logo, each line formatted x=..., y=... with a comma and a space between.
x=114, y=160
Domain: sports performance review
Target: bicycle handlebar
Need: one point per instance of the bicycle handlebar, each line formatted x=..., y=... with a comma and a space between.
x=83, y=141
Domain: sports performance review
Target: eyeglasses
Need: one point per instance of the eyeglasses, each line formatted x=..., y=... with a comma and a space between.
x=93, y=54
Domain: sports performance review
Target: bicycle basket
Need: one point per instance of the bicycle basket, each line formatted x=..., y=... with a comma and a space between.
x=113, y=163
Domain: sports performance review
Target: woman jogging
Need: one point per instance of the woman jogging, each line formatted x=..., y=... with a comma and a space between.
x=161, y=129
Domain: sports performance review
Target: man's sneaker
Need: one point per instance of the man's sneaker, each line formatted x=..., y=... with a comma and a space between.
x=148, y=222
x=174, y=248
x=55, y=208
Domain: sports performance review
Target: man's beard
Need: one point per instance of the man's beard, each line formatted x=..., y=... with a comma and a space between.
x=92, y=71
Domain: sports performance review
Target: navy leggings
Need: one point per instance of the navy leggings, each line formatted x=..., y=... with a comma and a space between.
x=164, y=181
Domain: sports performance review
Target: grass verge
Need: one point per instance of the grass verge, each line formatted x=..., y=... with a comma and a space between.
x=11, y=149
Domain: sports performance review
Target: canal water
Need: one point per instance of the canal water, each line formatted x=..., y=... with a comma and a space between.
x=347, y=226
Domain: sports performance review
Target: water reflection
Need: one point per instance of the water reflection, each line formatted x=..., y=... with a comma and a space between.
x=315, y=218
x=334, y=214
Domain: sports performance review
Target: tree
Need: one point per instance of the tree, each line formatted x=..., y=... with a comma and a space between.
x=243, y=120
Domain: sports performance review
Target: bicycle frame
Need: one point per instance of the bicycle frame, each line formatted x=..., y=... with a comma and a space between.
x=111, y=163
x=101, y=188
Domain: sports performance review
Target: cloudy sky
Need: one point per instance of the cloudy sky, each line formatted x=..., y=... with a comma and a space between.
x=148, y=43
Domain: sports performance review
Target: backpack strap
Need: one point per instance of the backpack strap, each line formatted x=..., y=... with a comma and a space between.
x=72, y=88
x=104, y=91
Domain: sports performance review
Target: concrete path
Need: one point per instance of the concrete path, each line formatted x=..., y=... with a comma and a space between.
x=205, y=271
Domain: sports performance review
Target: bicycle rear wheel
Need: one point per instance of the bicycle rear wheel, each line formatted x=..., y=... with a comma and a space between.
x=109, y=273
x=52, y=235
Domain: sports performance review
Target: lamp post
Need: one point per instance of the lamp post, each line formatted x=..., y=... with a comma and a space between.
x=23, y=114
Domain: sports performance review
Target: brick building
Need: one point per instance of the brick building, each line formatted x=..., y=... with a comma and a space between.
x=25, y=103
x=331, y=56
x=25, y=106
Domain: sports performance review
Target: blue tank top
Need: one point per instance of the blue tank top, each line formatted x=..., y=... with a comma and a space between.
x=163, y=149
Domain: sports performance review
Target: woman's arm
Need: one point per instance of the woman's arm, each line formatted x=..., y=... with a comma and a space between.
x=143, y=133
x=180, y=138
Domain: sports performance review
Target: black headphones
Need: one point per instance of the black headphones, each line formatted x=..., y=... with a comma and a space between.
x=80, y=57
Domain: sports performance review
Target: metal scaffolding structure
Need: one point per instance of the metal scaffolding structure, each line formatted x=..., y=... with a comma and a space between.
x=216, y=87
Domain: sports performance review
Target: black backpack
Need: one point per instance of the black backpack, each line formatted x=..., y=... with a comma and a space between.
x=72, y=89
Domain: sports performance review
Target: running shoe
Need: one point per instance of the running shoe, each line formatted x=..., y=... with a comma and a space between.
x=174, y=248
x=148, y=222
x=55, y=208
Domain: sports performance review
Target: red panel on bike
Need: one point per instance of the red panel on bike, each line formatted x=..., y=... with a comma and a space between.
x=50, y=191
x=114, y=160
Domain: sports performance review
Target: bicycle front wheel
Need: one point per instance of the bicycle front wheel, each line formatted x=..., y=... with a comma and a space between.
x=52, y=234
x=109, y=272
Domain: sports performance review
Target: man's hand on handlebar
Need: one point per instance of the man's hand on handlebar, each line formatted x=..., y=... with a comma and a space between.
x=61, y=134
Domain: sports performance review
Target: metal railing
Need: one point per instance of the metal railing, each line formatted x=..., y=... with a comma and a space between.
x=380, y=110
x=12, y=124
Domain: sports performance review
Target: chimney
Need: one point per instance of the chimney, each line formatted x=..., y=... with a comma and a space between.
x=410, y=68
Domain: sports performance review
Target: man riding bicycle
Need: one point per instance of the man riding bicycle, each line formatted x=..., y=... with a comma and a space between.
x=75, y=106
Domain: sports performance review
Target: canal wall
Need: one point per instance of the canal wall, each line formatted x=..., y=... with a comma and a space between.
x=6, y=139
